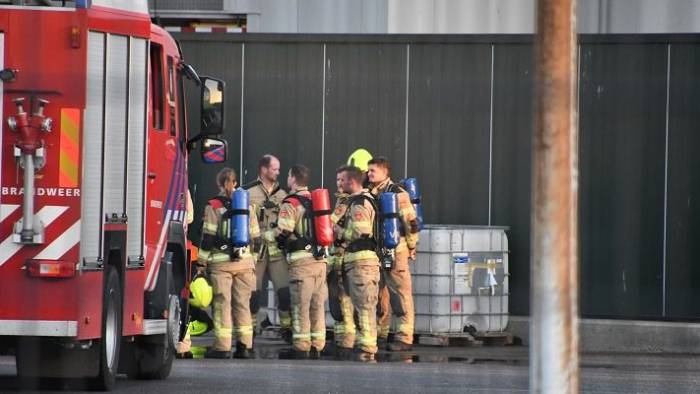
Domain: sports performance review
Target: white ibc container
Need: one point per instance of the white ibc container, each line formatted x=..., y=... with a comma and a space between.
x=460, y=279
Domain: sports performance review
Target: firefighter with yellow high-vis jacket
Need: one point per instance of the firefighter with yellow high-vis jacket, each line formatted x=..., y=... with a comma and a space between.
x=307, y=268
x=231, y=271
x=396, y=293
x=355, y=233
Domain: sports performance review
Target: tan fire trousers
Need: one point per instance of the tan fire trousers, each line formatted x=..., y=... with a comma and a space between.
x=308, y=290
x=396, y=295
x=277, y=269
x=232, y=286
x=345, y=329
x=362, y=283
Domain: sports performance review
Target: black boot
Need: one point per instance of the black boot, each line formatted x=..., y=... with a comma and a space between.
x=220, y=354
x=184, y=355
x=365, y=357
x=399, y=346
x=242, y=352
x=293, y=354
x=314, y=354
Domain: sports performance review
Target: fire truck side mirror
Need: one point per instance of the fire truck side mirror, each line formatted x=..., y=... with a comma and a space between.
x=212, y=106
x=213, y=150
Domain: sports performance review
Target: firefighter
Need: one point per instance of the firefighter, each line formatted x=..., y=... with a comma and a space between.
x=266, y=195
x=184, y=347
x=231, y=272
x=356, y=235
x=307, y=270
x=338, y=299
x=396, y=288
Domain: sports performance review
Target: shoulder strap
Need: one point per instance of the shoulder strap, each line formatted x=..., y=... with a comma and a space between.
x=220, y=202
x=251, y=185
x=395, y=188
x=360, y=198
x=376, y=223
x=275, y=190
x=296, y=200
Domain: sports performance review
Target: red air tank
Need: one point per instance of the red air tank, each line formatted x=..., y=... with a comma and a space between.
x=321, y=205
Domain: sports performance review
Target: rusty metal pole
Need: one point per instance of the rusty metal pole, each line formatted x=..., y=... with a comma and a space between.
x=554, y=366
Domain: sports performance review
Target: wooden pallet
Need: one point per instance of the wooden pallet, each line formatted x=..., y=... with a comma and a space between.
x=451, y=339
x=468, y=339
x=497, y=338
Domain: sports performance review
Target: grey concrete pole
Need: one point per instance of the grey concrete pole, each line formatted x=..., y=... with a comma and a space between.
x=554, y=290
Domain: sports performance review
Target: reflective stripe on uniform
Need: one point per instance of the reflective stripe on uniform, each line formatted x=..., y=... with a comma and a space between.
x=299, y=255
x=210, y=227
x=243, y=331
x=361, y=255
x=223, y=332
x=273, y=250
x=367, y=340
x=214, y=257
x=405, y=328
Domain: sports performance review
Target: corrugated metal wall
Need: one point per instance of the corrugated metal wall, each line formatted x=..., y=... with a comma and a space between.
x=462, y=107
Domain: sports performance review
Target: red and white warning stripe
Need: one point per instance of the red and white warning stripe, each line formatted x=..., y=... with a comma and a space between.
x=62, y=244
x=155, y=260
x=187, y=29
x=48, y=214
x=7, y=210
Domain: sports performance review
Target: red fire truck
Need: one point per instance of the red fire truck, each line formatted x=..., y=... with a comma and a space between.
x=93, y=183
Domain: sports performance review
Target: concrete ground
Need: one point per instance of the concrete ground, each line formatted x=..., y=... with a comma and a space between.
x=425, y=369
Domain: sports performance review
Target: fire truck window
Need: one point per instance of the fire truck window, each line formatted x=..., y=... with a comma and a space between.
x=171, y=96
x=157, y=98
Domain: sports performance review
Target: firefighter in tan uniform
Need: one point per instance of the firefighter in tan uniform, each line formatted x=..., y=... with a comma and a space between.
x=339, y=300
x=266, y=195
x=356, y=235
x=184, y=347
x=231, y=272
x=307, y=272
x=396, y=293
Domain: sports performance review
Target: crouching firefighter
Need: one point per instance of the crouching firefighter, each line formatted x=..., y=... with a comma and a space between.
x=304, y=233
x=396, y=293
x=225, y=255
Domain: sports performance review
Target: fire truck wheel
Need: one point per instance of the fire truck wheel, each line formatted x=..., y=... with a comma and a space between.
x=157, y=357
x=111, y=332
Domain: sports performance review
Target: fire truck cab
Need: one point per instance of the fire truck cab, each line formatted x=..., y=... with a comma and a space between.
x=93, y=188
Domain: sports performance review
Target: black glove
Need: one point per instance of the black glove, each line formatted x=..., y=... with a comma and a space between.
x=257, y=244
x=281, y=240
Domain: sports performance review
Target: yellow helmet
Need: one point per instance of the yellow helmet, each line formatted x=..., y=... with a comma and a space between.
x=201, y=293
x=360, y=158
